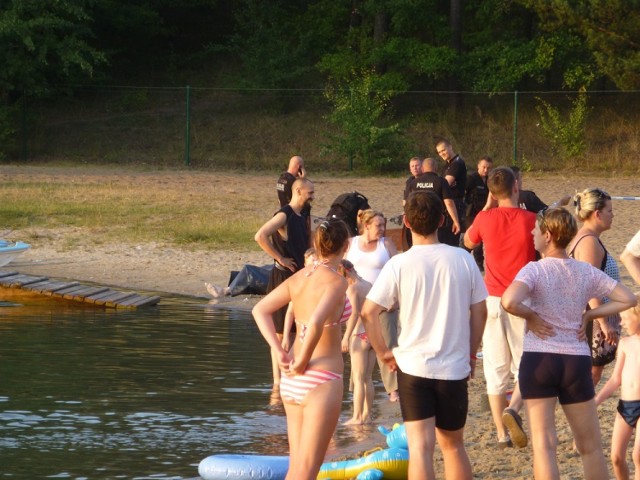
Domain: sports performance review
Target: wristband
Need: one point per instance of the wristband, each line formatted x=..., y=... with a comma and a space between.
x=473, y=357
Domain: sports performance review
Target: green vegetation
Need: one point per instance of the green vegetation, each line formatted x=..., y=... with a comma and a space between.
x=379, y=61
x=567, y=135
x=111, y=211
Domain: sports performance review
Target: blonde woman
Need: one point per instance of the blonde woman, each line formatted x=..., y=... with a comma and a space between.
x=369, y=252
x=311, y=386
x=595, y=211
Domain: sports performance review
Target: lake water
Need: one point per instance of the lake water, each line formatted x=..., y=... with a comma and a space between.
x=87, y=393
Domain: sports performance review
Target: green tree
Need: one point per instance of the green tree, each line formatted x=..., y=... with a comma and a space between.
x=606, y=29
x=279, y=42
x=42, y=43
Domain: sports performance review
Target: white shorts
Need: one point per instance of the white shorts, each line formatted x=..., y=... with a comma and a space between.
x=501, y=347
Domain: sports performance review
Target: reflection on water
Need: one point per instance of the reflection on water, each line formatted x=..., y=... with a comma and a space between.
x=130, y=394
x=87, y=393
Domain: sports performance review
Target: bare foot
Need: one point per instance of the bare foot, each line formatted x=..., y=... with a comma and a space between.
x=214, y=290
x=353, y=421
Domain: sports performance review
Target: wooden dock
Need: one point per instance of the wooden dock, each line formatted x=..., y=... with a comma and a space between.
x=76, y=291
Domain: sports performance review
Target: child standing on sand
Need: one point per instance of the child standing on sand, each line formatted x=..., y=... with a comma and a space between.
x=356, y=343
x=626, y=374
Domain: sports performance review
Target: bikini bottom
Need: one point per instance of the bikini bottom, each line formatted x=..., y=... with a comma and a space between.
x=295, y=388
x=629, y=410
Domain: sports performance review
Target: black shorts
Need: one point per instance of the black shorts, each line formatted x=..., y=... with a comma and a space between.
x=422, y=398
x=548, y=375
x=276, y=277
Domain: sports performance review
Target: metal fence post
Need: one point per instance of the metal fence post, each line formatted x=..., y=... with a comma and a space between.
x=187, y=137
x=25, y=134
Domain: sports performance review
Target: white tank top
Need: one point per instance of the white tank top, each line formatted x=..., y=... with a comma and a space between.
x=368, y=264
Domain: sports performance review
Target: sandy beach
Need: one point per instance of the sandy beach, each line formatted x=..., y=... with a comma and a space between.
x=169, y=268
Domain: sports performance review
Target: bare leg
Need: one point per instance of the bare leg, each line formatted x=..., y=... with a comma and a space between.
x=619, y=442
x=583, y=420
x=516, y=399
x=389, y=329
x=294, y=429
x=313, y=429
x=422, y=441
x=369, y=389
x=636, y=456
x=214, y=290
x=359, y=356
x=541, y=415
x=498, y=403
x=456, y=461
x=596, y=374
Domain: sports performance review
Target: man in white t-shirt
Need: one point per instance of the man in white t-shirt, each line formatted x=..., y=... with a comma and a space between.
x=441, y=295
x=631, y=257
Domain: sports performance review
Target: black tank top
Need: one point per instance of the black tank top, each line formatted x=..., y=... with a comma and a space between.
x=297, y=237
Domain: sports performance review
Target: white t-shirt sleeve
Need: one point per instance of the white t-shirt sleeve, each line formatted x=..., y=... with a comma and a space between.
x=634, y=245
x=479, y=292
x=384, y=291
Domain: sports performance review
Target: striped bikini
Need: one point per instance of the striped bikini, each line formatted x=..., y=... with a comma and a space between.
x=295, y=388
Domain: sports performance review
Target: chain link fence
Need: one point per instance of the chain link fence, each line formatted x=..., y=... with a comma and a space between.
x=261, y=129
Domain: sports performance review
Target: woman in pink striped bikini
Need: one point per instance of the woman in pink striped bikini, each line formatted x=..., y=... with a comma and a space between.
x=311, y=385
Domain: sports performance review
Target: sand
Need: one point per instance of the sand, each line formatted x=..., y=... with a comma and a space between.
x=168, y=268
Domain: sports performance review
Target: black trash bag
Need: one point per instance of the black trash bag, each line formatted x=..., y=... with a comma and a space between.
x=346, y=207
x=251, y=280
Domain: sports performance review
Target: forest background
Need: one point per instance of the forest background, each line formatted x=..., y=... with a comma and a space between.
x=357, y=85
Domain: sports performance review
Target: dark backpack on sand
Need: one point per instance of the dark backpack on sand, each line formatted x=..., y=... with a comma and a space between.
x=346, y=206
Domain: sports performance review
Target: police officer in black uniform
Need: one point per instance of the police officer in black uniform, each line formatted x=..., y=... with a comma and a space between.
x=449, y=232
x=456, y=175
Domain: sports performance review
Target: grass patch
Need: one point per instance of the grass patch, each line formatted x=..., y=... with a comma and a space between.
x=137, y=208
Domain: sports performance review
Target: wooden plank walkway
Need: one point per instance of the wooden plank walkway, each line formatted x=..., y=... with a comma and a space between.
x=76, y=291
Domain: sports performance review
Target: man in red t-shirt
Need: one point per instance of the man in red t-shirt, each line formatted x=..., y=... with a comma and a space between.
x=505, y=232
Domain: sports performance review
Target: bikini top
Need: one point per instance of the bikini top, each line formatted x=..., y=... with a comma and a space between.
x=346, y=313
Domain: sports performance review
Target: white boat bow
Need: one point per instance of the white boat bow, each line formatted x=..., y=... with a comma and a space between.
x=10, y=250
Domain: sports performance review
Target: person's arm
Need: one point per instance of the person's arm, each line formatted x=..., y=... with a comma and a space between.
x=370, y=316
x=451, y=180
x=356, y=305
x=263, y=316
x=332, y=294
x=632, y=264
x=561, y=202
x=286, y=330
x=533, y=203
x=512, y=301
x=478, y=319
x=492, y=202
x=263, y=238
x=615, y=380
x=620, y=298
x=453, y=213
x=589, y=250
x=470, y=244
x=390, y=246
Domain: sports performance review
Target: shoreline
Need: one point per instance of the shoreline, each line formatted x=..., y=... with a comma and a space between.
x=181, y=271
